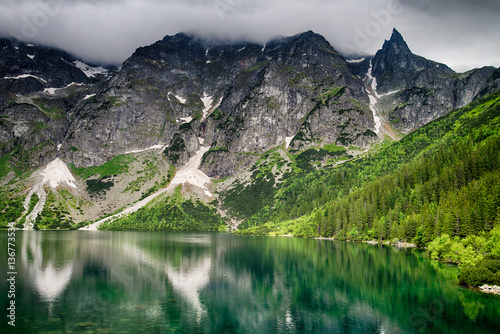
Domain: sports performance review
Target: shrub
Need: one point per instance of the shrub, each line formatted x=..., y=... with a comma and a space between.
x=486, y=271
x=474, y=276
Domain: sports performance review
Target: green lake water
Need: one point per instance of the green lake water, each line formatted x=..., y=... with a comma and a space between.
x=156, y=282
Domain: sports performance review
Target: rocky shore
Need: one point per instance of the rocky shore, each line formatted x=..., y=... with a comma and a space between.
x=490, y=289
x=399, y=244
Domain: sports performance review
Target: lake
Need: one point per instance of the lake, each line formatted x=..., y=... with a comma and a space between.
x=156, y=282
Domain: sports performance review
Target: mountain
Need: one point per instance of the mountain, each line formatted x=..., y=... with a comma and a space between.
x=229, y=123
x=39, y=87
x=419, y=90
x=439, y=187
x=238, y=99
x=395, y=65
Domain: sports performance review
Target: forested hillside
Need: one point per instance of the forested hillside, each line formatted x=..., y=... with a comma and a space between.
x=441, y=181
x=173, y=213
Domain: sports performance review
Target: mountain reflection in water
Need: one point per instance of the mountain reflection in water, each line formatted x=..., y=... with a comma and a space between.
x=216, y=282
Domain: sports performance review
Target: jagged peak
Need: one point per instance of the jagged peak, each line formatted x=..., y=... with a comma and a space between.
x=398, y=41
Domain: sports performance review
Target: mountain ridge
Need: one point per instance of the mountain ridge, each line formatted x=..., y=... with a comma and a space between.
x=233, y=102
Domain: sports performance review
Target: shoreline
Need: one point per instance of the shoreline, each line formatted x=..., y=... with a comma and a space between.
x=493, y=289
x=399, y=244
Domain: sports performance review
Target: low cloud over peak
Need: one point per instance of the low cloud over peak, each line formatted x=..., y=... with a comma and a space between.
x=460, y=33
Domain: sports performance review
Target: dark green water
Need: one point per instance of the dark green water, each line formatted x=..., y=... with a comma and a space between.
x=128, y=282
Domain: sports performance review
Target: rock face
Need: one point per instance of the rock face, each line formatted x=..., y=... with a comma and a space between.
x=27, y=68
x=237, y=100
x=39, y=86
x=423, y=90
x=395, y=65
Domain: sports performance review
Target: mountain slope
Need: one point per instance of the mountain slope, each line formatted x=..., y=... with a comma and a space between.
x=418, y=90
x=440, y=179
x=296, y=89
x=254, y=118
x=395, y=65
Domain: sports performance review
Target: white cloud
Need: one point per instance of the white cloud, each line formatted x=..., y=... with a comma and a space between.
x=460, y=33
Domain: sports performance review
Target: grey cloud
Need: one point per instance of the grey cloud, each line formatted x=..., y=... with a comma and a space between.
x=108, y=31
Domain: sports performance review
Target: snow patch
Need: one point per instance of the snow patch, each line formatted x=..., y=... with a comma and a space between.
x=30, y=45
x=42, y=197
x=186, y=119
x=376, y=118
x=54, y=174
x=57, y=173
x=390, y=93
x=52, y=91
x=213, y=108
x=181, y=99
x=243, y=48
x=201, y=140
x=190, y=173
x=23, y=76
x=288, y=140
x=206, y=55
x=207, y=102
x=59, y=147
x=218, y=104
x=89, y=96
x=90, y=71
x=264, y=47
x=154, y=147
x=373, y=80
x=31, y=56
x=354, y=61
x=373, y=96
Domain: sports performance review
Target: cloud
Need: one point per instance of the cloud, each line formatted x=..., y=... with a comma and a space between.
x=460, y=33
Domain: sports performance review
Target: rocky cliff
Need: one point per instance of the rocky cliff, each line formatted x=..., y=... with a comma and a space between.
x=416, y=90
x=238, y=99
x=222, y=105
x=182, y=93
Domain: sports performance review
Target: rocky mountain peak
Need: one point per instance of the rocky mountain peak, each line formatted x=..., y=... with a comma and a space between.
x=237, y=100
x=183, y=40
x=397, y=43
x=395, y=65
x=308, y=38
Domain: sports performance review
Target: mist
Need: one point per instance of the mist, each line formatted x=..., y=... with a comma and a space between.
x=462, y=34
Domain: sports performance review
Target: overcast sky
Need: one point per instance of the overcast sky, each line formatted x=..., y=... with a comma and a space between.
x=460, y=33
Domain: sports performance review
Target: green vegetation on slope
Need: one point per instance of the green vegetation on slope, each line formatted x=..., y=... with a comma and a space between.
x=170, y=214
x=117, y=165
x=441, y=179
x=11, y=208
x=55, y=214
